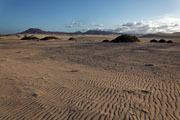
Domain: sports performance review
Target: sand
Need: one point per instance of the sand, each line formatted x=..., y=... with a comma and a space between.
x=88, y=80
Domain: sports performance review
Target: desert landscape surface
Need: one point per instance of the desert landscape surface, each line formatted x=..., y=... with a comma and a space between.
x=86, y=79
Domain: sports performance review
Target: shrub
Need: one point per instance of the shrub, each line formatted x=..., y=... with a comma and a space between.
x=72, y=38
x=18, y=35
x=105, y=41
x=153, y=41
x=49, y=38
x=32, y=37
x=162, y=41
x=126, y=39
x=169, y=41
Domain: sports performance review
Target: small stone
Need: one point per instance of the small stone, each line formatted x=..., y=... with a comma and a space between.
x=149, y=65
x=74, y=70
x=34, y=95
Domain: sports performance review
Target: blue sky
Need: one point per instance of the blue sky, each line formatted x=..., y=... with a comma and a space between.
x=73, y=15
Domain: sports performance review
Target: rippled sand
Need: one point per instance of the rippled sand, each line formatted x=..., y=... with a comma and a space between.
x=88, y=80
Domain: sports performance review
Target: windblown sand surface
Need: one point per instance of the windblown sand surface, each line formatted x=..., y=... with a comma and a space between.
x=88, y=80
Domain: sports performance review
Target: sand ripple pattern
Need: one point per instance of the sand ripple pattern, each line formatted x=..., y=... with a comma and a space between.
x=117, y=85
x=100, y=98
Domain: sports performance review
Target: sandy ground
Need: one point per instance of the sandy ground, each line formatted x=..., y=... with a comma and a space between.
x=88, y=80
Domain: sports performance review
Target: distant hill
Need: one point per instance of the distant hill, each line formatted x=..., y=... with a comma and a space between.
x=161, y=35
x=98, y=32
x=77, y=32
x=34, y=31
x=90, y=32
x=177, y=33
x=39, y=31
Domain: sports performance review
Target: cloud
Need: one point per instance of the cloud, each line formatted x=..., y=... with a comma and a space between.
x=74, y=24
x=166, y=25
x=97, y=26
x=129, y=24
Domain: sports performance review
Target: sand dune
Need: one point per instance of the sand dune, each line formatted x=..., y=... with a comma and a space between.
x=88, y=80
x=162, y=35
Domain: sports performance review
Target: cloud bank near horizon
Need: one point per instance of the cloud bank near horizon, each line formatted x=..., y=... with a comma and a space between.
x=164, y=25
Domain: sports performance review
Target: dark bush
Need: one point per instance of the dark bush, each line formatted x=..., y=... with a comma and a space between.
x=162, y=41
x=49, y=38
x=18, y=35
x=169, y=41
x=105, y=41
x=32, y=37
x=153, y=41
x=72, y=38
x=125, y=39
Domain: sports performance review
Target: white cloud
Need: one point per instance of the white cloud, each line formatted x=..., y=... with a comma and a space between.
x=129, y=24
x=74, y=24
x=165, y=24
x=97, y=26
x=168, y=20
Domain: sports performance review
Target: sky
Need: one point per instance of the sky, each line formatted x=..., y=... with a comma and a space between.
x=123, y=16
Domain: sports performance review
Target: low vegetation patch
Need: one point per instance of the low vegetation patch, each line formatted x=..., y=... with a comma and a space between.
x=32, y=37
x=49, y=38
x=72, y=38
x=153, y=41
x=160, y=41
x=125, y=39
x=18, y=35
x=106, y=41
x=169, y=41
